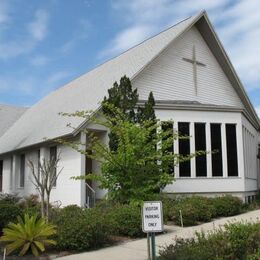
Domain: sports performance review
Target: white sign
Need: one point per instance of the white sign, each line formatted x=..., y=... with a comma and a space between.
x=152, y=216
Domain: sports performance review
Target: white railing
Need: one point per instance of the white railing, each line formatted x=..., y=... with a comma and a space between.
x=90, y=196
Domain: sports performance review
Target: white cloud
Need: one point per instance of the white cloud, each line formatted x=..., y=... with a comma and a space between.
x=39, y=60
x=23, y=85
x=37, y=30
x=143, y=18
x=126, y=39
x=26, y=85
x=4, y=12
x=80, y=33
x=57, y=77
x=38, y=27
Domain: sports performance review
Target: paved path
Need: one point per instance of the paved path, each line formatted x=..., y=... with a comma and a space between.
x=137, y=249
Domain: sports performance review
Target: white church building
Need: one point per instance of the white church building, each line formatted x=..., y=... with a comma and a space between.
x=194, y=84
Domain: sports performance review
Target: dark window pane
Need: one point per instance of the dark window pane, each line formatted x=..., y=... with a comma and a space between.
x=168, y=127
x=216, y=147
x=53, y=156
x=1, y=176
x=184, y=149
x=22, y=169
x=39, y=162
x=231, y=149
x=88, y=167
x=200, y=145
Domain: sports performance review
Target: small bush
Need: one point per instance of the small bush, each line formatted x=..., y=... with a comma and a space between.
x=30, y=205
x=80, y=229
x=8, y=213
x=30, y=233
x=6, y=198
x=125, y=220
x=194, y=210
x=227, y=206
x=238, y=241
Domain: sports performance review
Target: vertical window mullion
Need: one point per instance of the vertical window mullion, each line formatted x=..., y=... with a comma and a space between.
x=22, y=170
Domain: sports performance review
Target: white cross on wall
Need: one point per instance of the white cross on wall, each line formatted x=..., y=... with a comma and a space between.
x=195, y=63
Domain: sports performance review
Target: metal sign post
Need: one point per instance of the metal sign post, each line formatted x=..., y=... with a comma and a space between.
x=152, y=222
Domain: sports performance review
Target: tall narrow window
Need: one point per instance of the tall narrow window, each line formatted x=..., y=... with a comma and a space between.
x=168, y=127
x=39, y=162
x=184, y=149
x=1, y=176
x=53, y=157
x=22, y=170
x=216, y=147
x=11, y=173
x=200, y=145
x=231, y=138
x=88, y=167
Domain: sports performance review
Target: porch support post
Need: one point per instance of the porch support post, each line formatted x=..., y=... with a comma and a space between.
x=83, y=140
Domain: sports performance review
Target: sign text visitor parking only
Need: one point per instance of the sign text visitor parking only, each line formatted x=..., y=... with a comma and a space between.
x=152, y=216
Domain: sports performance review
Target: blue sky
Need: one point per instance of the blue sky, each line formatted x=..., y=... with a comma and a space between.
x=46, y=43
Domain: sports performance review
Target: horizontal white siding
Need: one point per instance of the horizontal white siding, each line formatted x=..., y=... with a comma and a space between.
x=169, y=77
x=67, y=191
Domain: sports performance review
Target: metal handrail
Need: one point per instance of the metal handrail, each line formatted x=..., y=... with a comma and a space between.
x=90, y=196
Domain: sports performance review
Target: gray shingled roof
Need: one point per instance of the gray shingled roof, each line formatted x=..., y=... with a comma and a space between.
x=8, y=115
x=84, y=93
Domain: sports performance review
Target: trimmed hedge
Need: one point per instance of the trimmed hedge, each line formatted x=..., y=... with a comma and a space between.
x=8, y=213
x=238, y=241
x=226, y=206
x=194, y=210
x=80, y=229
x=199, y=209
x=125, y=220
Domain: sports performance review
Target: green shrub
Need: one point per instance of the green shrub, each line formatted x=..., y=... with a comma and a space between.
x=6, y=198
x=30, y=205
x=238, y=241
x=168, y=204
x=80, y=229
x=8, y=213
x=194, y=210
x=30, y=233
x=125, y=220
x=227, y=206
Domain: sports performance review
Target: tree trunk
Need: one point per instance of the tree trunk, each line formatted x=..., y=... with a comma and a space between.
x=47, y=207
x=42, y=206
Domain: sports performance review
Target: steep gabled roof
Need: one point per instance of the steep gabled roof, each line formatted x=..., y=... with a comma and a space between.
x=85, y=93
x=9, y=115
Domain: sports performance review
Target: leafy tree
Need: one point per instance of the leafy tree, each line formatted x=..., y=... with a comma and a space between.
x=124, y=98
x=136, y=170
x=147, y=112
x=29, y=233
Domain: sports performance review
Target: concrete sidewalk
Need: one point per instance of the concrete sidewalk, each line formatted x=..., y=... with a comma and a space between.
x=137, y=249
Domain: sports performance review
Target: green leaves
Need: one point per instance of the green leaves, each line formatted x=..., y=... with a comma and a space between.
x=29, y=233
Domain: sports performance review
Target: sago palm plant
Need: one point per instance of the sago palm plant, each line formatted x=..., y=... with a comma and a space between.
x=30, y=233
